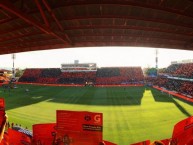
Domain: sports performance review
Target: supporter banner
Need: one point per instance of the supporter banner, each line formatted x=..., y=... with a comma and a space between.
x=79, y=127
x=147, y=142
x=44, y=134
x=182, y=133
x=2, y=103
x=18, y=138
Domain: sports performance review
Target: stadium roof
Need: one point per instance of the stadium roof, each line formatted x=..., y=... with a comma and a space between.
x=27, y=25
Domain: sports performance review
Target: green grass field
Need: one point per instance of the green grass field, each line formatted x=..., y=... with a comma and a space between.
x=131, y=114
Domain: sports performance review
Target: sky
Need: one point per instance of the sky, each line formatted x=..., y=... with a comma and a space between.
x=103, y=56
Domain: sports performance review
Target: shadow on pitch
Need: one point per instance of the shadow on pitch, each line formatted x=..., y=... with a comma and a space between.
x=164, y=97
x=103, y=96
x=72, y=95
x=23, y=95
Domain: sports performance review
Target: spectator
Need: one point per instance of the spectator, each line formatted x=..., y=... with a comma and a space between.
x=157, y=143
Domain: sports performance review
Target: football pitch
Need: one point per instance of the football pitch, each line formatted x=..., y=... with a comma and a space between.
x=130, y=114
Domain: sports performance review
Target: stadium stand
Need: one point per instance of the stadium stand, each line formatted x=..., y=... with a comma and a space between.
x=172, y=68
x=132, y=74
x=108, y=72
x=183, y=87
x=119, y=75
x=32, y=72
x=183, y=70
x=50, y=73
x=47, y=75
x=103, y=76
x=76, y=77
x=30, y=75
x=47, y=80
x=177, y=78
x=28, y=79
x=187, y=88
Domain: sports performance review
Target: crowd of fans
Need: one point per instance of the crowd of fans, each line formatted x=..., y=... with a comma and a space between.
x=183, y=70
x=179, y=80
x=180, y=86
x=187, y=88
x=172, y=68
x=103, y=76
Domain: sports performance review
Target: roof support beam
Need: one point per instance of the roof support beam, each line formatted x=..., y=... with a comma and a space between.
x=28, y=42
x=127, y=17
x=5, y=20
x=127, y=3
x=4, y=39
x=31, y=48
x=180, y=24
x=129, y=35
x=131, y=41
x=127, y=27
x=52, y=14
x=47, y=46
x=12, y=9
x=42, y=13
x=54, y=17
x=21, y=27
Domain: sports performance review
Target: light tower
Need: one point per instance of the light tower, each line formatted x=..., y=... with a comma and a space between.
x=13, y=69
x=156, y=61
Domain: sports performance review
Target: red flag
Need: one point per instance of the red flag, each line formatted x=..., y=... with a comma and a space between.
x=18, y=138
x=2, y=103
x=182, y=133
x=44, y=134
